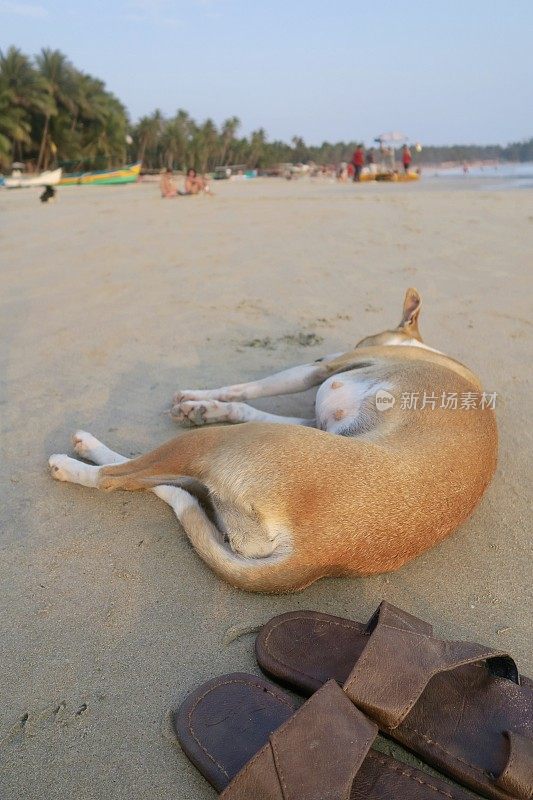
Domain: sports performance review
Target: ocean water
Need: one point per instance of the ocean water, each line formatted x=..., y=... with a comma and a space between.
x=502, y=176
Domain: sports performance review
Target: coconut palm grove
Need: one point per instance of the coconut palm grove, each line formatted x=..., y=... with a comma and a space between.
x=52, y=114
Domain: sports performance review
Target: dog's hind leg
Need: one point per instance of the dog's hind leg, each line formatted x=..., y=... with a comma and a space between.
x=68, y=469
x=257, y=562
x=88, y=446
x=273, y=573
x=175, y=459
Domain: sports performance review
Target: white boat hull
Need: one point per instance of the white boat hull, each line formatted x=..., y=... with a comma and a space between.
x=48, y=178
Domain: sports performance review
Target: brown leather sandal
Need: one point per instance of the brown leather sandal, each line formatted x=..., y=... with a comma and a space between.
x=461, y=707
x=249, y=741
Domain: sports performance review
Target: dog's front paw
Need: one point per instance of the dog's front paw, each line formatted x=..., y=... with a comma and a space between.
x=200, y=412
x=184, y=394
x=177, y=414
x=195, y=394
x=191, y=411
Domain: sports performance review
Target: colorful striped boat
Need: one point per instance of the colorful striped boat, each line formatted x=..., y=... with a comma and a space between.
x=128, y=174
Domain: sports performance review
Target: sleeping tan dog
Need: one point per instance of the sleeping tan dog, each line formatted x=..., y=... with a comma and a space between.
x=402, y=448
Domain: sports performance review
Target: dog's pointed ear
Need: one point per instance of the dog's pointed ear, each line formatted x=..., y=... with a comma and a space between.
x=411, y=312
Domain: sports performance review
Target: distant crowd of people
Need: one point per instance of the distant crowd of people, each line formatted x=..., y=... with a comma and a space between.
x=193, y=184
x=361, y=158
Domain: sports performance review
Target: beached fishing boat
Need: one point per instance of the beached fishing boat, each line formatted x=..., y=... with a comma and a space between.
x=394, y=177
x=128, y=174
x=387, y=169
x=20, y=181
x=391, y=177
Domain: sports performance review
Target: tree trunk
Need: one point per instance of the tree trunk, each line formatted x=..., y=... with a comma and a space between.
x=141, y=151
x=43, y=142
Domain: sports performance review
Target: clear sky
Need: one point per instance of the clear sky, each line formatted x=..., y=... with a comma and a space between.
x=441, y=71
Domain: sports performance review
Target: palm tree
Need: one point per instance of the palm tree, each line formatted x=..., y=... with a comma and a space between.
x=148, y=132
x=300, y=148
x=229, y=129
x=103, y=126
x=15, y=127
x=205, y=145
x=57, y=71
x=257, y=147
x=175, y=140
x=28, y=93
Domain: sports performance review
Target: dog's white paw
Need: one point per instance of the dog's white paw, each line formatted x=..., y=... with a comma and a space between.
x=85, y=444
x=59, y=467
x=194, y=394
x=181, y=412
x=200, y=412
x=64, y=468
x=193, y=411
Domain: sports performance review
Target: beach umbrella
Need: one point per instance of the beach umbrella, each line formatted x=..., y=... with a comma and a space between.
x=390, y=139
x=392, y=136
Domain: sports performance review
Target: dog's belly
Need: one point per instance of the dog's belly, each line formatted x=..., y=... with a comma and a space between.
x=342, y=400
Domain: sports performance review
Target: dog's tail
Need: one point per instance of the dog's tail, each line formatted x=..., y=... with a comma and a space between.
x=276, y=572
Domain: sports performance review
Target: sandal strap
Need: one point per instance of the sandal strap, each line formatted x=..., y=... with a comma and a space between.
x=402, y=656
x=315, y=755
x=517, y=776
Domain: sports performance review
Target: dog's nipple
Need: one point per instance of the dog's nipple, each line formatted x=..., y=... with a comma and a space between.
x=336, y=384
x=339, y=414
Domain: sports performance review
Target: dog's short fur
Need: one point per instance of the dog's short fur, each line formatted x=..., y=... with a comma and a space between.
x=357, y=491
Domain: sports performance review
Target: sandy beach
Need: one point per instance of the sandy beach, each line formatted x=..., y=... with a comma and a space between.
x=112, y=299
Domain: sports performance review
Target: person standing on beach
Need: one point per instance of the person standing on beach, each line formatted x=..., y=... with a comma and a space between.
x=358, y=161
x=406, y=158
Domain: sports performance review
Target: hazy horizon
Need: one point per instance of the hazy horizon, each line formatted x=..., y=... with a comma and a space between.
x=450, y=74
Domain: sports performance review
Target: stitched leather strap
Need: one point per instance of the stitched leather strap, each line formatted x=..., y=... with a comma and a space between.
x=517, y=777
x=314, y=756
x=400, y=659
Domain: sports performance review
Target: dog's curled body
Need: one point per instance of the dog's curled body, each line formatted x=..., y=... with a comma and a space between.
x=316, y=504
x=363, y=493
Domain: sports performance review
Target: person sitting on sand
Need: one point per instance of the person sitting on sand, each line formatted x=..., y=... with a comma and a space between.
x=167, y=185
x=194, y=183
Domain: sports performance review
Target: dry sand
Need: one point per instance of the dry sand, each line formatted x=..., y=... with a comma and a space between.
x=111, y=300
